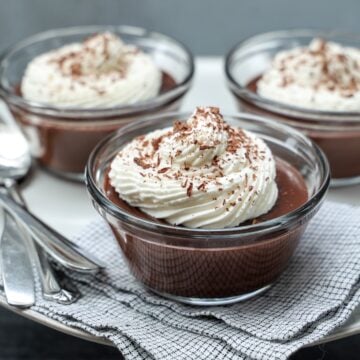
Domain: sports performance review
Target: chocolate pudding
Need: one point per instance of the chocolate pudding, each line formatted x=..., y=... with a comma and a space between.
x=188, y=271
x=70, y=88
x=205, y=212
x=63, y=145
x=204, y=173
x=342, y=148
x=310, y=82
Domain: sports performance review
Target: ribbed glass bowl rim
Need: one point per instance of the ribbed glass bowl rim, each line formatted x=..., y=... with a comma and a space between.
x=55, y=111
x=264, y=227
x=334, y=117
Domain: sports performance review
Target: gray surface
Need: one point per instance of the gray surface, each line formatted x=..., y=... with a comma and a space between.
x=209, y=27
x=58, y=346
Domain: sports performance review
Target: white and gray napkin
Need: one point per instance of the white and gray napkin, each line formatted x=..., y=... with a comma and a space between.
x=316, y=294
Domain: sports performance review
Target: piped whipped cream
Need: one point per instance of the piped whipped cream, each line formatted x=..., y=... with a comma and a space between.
x=102, y=71
x=322, y=76
x=202, y=173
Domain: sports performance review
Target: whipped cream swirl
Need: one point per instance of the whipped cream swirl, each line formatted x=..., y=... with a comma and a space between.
x=322, y=76
x=201, y=173
x=100, y=72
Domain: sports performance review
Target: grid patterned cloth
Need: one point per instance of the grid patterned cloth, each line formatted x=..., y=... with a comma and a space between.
x=317, y=293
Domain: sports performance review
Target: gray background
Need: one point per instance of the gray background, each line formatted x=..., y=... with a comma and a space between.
x=208, y=27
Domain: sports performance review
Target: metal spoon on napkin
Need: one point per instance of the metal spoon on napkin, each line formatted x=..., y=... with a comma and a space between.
x=17, y=243
x=16, y=267
x=59, y=247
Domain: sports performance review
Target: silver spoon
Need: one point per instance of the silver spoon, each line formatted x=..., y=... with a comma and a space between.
x=15, y=162
x=14, y=165
x=17, y=276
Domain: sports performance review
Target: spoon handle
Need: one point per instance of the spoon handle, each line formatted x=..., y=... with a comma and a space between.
x=51, y=287
x=17, y=274
x=60, y=248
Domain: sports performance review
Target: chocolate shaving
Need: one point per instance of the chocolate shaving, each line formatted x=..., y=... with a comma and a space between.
x=156, y=143
x=76, y=69
x=206, y=147
x=215, y=160
x=163, y=170
x=180, y=126
x=184, y=184
x=140, y=162
x=189, y=190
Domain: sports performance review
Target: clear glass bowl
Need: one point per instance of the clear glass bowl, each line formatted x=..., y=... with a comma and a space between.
x=207, y=267
x=62, y=138
x=336, y=132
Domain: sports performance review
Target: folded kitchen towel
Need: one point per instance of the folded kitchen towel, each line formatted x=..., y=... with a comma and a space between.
x=317, y=293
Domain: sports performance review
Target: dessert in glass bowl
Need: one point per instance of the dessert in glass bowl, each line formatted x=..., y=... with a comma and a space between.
x=207, y=209
x=69, y=88
x=309, y=80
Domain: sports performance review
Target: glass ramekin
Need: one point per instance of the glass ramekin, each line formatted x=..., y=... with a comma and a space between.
x=207, y=267
x=336, y=132
x=62, y=139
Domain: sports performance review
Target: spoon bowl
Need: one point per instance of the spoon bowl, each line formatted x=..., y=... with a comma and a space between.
x=15, y=159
